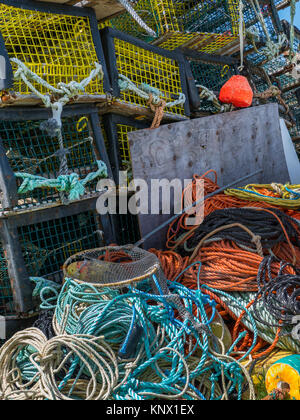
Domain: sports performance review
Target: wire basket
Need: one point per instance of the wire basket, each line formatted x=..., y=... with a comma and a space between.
x=126, y=265
x=37, y=244
x=29, y=149
x=145, y=64
x=58, y=43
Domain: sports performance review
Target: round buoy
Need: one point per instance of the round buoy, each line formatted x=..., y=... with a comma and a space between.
x=285, y=373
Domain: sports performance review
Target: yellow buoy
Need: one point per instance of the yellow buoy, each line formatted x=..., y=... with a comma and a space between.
x=286, y=370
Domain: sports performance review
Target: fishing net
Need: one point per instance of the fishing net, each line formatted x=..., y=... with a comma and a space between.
x=112, y=266
x=117, y=267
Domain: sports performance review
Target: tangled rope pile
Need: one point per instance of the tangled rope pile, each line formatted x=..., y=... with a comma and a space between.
x=220, y=201
x=285, y=196
x=126, y=344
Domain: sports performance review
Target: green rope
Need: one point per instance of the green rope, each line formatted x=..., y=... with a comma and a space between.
x=64, y=183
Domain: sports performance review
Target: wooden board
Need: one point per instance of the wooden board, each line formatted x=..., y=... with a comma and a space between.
x=234, y=144
x=103, y=8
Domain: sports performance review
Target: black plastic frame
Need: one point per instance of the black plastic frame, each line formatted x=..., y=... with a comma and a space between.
x=109, y=34
x=8, y=181
x=57, y=9
x=20, y=283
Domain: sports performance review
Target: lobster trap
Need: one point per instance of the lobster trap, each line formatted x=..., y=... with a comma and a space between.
x=208, y=26
x=38, y=243
x=58, y=43
x=145, y=65
x=26, y=148
x=210, y=71
x=116, y=129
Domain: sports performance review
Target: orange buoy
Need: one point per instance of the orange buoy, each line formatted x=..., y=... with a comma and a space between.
x=237, y=92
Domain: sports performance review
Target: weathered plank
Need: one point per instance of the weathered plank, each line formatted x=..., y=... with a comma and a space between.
x=234, y=144
x=103, y=8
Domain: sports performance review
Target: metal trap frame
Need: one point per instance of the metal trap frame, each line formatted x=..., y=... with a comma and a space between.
x=144, y=64
x=26, y=148
x=115, y=131
x=38, y=243
x=59, y=43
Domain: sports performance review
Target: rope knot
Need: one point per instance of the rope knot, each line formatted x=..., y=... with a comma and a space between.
x=158, y=314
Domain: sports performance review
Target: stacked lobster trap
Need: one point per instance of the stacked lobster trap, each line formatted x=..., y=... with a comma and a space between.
x=59, y=44
x=42, y=224
x=139, y=71
x=53, y=157
x=207, y=26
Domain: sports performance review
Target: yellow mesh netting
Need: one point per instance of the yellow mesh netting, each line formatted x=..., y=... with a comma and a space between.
x=57, y=47
x=144, y=66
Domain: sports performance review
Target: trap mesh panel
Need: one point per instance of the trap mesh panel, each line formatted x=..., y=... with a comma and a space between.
x=295, y=131
x=142, y=65
x=30, y=150
x=206, y=26
x=47, y=245
x=125, y=23
x=90, y=266
x=212, y=76
x=6, y=296
x=128, y=229
x=58, y=47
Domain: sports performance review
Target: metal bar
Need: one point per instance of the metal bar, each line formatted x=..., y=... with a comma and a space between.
x=166, y=223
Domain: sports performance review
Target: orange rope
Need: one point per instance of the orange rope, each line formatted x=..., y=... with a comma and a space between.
x=217, y=202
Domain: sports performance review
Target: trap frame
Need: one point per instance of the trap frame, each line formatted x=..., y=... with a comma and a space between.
x=57, y=42
x=208, y=70
x=146, y=64
x=26, y=148
x=116, y=129
x=38, y=243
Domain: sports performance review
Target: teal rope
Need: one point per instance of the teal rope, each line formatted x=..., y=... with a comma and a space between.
x=164, y=338
x=64, y=183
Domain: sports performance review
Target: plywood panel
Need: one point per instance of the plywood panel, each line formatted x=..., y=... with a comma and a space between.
x=234, y=144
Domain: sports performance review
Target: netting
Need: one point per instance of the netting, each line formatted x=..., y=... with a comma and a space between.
x=207, y=26
x=132, y=265
x=6, y=296
x=212, y=76
x=57, y=47
x=143, y=66
x=47, y=245
x=295, y=130
x=128, y=229
x=31, y=150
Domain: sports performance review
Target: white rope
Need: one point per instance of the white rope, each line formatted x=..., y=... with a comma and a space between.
x=67, y=91
x=145, y=91
x=241, y=34
x=137, y=18
x=49, y=357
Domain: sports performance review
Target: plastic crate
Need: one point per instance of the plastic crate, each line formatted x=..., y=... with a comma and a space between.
x=144, y=64
x=115, y=131
x=38, y=243
x=59, y=43
x=26, y=148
